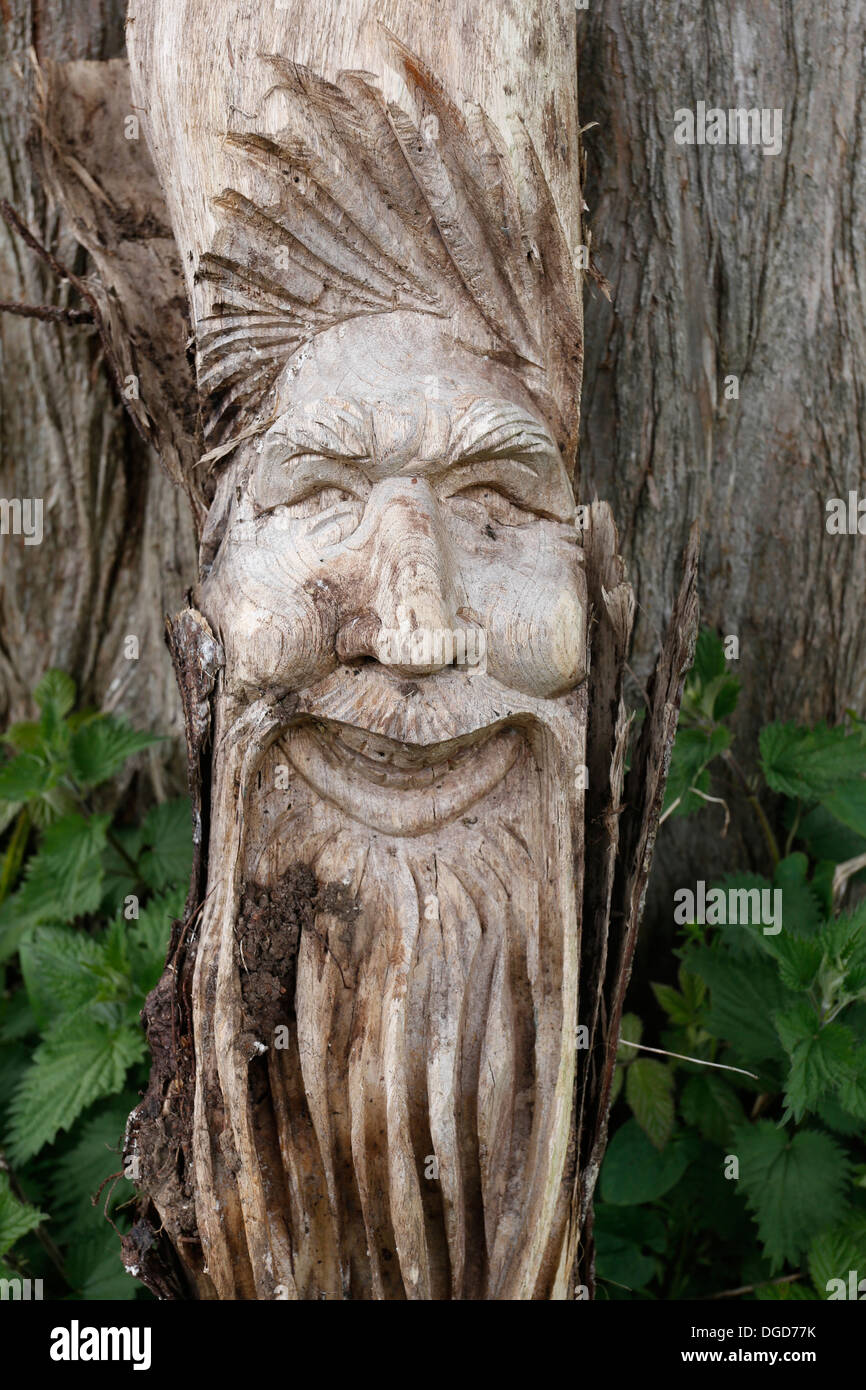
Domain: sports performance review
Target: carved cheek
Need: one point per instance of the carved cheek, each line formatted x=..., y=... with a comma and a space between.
x=533, y=612
x=276, y=615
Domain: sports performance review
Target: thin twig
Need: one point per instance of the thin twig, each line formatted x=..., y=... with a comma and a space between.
x=750, y=1288
x=49, y=313
x=720, y=801
x=700, y=1061
x=772, y=842
x=843, y=872
x=15, y=222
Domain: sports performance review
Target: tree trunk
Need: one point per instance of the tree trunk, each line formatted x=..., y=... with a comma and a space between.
x=726, y=262
x=384, y=1044
x=117, y=549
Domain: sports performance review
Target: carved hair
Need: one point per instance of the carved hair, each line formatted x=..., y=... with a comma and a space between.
x=367, y=213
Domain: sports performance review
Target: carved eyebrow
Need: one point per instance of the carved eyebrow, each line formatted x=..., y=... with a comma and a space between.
x=500, y=429
x=334, y=431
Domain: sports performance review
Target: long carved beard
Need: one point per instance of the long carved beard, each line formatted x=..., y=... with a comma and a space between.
x=394, y=1013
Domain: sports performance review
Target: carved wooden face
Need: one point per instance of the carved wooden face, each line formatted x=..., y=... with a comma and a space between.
x=409, y=490
x=408, y=497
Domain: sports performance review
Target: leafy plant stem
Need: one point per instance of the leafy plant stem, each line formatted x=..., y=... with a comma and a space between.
x=751, y=796
x=14, y=852
x=116, y=845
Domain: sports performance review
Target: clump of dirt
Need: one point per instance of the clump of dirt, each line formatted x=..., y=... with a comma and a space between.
x=271, y=921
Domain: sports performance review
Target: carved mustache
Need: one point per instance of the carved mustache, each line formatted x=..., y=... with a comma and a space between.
x=426, y=710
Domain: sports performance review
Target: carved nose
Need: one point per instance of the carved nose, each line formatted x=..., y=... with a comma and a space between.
x=405, y=613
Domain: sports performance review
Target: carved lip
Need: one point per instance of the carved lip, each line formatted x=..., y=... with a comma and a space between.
x=400, y=788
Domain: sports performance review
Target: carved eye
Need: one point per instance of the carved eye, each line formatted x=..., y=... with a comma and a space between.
x=317, y=500
x=485, y=504
x=320, y=498
x=332, y=514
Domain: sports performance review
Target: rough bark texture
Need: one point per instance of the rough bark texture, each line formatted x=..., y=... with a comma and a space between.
x=118, y=547
x=726, y=261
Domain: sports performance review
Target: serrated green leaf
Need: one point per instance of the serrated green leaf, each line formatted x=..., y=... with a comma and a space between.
x=801, y=908
x=121, y=877
x=147, y=939
x=851, y=1090
x=827, y=839
x=682, y=1006
x=100, y=748
x=847, y=803
x=709, y=660
x=673, y=1004
x=795, y=1187
x=62, y=881
x=834, y=1253
x=17, y=1019
x=711, y=1106
x=725, y=693
x=744, y=938
x=831, y=1114
x=799, y=959
x=820, y=1056
x=61, y=968
x=631, y=1031
x=16, y=1218
x=25, y=737
x=55, y=692
x=622, y=1262
x=634, y=1171
x=744, y=995
x=810, y=763
x=23, y=778
x=167, y=830
x=649, y=1091
x=82, y=1061
x=844, y=938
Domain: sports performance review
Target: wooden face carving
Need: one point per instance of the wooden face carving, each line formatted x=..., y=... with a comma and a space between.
x=408, y=505
x=385, y=994
x=396, y=582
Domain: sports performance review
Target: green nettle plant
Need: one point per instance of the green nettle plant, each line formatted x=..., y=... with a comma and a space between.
x=86, y=905
x=747, y=1178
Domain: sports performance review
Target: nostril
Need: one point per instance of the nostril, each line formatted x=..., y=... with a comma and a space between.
x=357, y=639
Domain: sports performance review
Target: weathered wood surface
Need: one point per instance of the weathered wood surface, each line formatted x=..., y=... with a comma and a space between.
x=118, y=543
x=404, y=885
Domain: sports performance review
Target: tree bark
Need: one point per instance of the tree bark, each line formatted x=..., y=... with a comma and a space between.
x=724, y=261
x=118, y=546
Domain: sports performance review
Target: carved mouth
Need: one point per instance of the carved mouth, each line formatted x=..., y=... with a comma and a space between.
x=401, y=788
